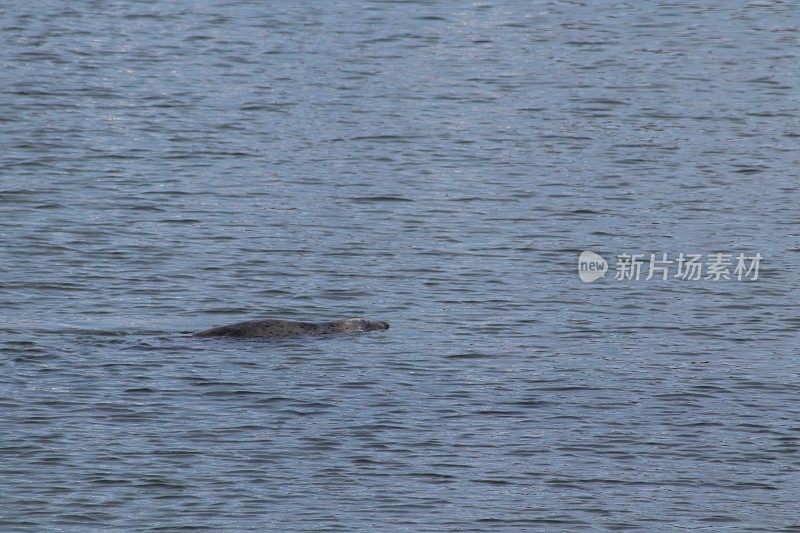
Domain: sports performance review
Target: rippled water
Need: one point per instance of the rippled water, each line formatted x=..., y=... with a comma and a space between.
x=166, y=166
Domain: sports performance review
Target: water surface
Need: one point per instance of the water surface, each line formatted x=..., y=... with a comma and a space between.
x=167, y=167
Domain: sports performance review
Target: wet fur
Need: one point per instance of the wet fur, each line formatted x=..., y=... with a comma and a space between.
x=290, y=328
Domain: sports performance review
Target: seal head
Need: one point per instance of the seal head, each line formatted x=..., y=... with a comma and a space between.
x=358, y=325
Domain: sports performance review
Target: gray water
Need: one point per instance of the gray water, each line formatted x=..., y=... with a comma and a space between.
x=169, y=166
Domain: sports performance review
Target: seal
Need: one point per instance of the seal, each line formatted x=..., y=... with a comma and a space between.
x=289, y=328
